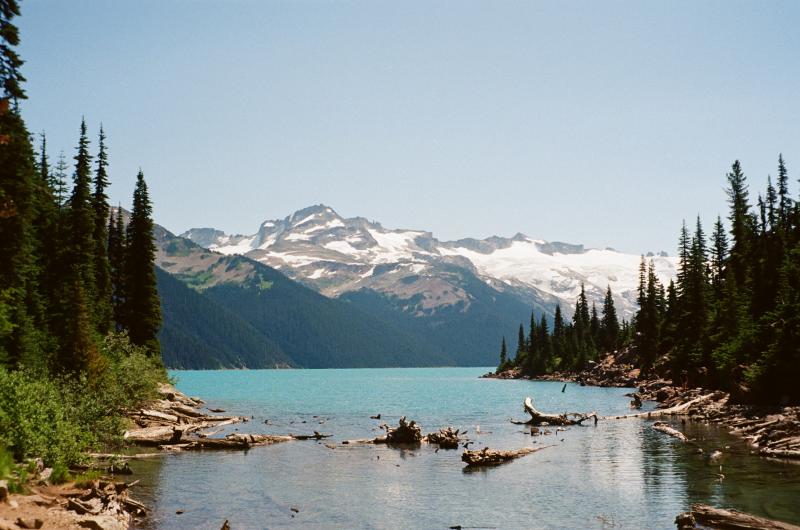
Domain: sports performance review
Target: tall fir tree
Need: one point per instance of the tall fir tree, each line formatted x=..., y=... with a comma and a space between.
x=142, y=306
x=17, y=202
x=80, y=256
x=609, y=323
x=117, y=250
x=60, y=180
x=102, y=268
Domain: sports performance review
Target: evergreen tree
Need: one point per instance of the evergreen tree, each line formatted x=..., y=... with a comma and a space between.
x=142, y=307
x=521, y=347
x=503, y=355
x=80, y=220
x=609, y=324
x=17, y=202
x=60, y=180
x=741, y=223
x=10, y=63
x=558, y=340
x=784, y=201
x=594, y=325
x=719, y=254
x=117, y=249
x=544, y=359
x=103, y=294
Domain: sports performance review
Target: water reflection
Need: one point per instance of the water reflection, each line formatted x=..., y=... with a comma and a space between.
x=619, y=473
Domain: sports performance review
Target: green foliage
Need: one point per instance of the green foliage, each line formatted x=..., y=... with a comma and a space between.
x=143, y=309
x=36, y=420
x=59, y=418
x=732, y=321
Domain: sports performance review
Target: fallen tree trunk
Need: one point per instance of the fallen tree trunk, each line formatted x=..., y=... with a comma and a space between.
x=666, y=429
x=154, y=435
x=540, y=418
x=710, y=517
x=677, y=410
x=445, y=438
x=489, y=457
x=315, y=436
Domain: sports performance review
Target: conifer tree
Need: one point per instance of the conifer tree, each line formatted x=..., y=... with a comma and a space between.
x=609, y=324
x=521, y=342
x=17, y=207
x=545, y=348
x=10, y=63
x=103, y=294
x=719, y=253
x=142, y=306
x=80, y=220
x=784, y=201
x=60, y=180
x=503, y=355
x=117, y=249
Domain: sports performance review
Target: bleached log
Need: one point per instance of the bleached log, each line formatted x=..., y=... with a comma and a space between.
x=677, y=410
x=154, y=435
x=316, y=436
x=666, y=429
x=780, y=453
x=159, y=415
x=489, y=457
x=539, y=418
x=710, y=517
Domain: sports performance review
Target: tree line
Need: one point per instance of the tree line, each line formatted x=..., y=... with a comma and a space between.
x=729, y=320
x=71, y=271
x=569, y=345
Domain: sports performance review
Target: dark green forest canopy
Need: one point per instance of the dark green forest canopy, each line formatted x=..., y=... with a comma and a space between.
x=730, y=320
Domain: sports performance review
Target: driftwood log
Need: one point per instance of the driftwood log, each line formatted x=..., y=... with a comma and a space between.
x=445, y=438
x=541, y=418
x=710, y=517
x=666, y=429
x=406, y=432
x=489, y=457
x=678, y=410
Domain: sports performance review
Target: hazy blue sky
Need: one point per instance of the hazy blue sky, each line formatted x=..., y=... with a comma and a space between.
x=588, y=122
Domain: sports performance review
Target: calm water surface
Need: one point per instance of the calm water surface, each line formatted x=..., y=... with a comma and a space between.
x=618, y=474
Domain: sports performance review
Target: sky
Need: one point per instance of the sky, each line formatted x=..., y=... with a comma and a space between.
x=602, y=123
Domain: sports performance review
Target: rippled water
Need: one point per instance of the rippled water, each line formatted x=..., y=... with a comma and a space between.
x=617, y=474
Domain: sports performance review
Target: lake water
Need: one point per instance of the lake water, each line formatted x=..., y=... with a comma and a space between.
x=617, y=474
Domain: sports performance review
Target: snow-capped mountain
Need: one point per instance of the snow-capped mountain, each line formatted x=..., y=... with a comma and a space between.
x=423, y=275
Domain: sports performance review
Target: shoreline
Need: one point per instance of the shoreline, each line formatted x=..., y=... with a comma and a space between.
x=770, y=431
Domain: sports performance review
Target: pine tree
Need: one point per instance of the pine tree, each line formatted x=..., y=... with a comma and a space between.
x=741, y=223
x=719, y=254
x=117, y=249
x=17, y=202
x=784, y=201
x=80, y=220
x=544, y=341
x=142, y=306
x=772, y=206
x=521, y=347
x=10, y=63
x=609, y=324
x=503, y=355
x=558, y=340
x=103, y=293
x=60, y=180
x=594, y=325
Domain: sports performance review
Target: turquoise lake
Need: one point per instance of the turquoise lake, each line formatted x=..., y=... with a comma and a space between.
x=617, y=474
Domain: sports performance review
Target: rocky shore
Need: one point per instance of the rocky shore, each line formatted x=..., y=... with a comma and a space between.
x=771, y=431
x=174, y=422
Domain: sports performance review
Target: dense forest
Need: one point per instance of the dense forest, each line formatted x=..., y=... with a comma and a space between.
x=79, y=307
x=730, y=320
